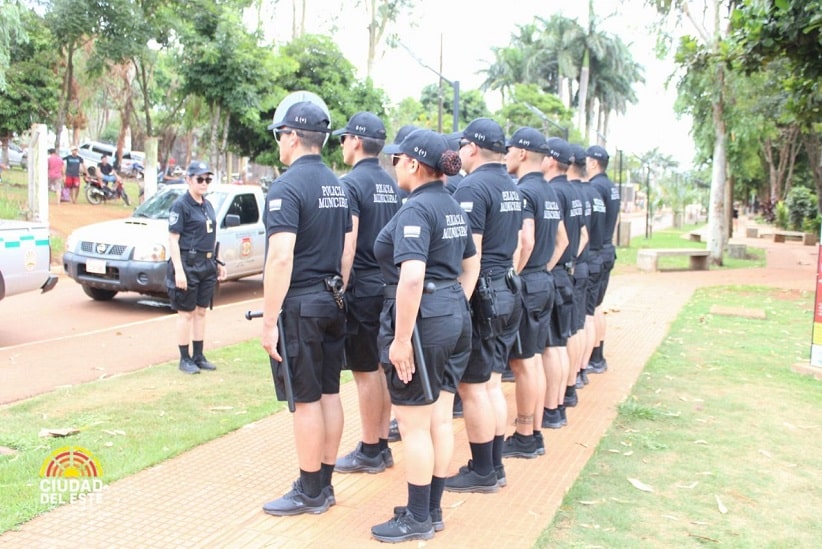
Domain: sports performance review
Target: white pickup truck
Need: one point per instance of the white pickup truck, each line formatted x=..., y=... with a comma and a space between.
x=131, y=255
x=25, y=258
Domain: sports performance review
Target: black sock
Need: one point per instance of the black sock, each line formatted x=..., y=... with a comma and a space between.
x=370, y=450
x=184, y=351
x=326, y=470
x=312, y=482
x=596, y=354
x=496, y=451
x=537, y=434
x=437, y=488
x=570, y=390
x=383, y=443
x=198, y=348
x=418, y=497
x=482, y=454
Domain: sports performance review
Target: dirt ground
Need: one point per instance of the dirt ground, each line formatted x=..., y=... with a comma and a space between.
x=67, y=217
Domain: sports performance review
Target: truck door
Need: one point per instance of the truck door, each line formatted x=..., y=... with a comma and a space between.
x=243, y=247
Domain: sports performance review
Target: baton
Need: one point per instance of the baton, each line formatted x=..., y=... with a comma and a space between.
x=289, y=387
x=419, y=359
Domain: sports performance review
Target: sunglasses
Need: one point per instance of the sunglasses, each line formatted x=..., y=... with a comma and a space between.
x=395, y=159
x=205, y=180
x=281, y=131
x=344, y=137
x=463, y=142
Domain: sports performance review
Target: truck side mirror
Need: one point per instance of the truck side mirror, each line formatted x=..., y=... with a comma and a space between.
x=232, y=220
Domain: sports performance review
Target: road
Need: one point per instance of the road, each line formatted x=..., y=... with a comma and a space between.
x=64, y=338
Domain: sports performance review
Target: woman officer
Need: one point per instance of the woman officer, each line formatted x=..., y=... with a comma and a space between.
x=430, y=266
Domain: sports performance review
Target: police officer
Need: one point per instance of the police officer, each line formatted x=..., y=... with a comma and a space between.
x=542, y=240
x=373, y=200
x=555, y=358
x=597, y=163
x=494, y=208
x=430, y=266
x=306, y=222
x=583, y=310
x=194, y=267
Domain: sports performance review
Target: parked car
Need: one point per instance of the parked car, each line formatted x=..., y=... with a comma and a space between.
x=17, y=156
x=93, y=151
x=25, y=258
x=131, y=255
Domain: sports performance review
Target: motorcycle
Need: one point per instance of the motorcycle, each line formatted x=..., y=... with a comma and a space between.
x=136, y=170
x=98, y=192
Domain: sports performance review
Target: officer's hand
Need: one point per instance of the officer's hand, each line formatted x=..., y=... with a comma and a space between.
x=270, y=338
x=181, y=281
x=401, y=355
x=221, y=272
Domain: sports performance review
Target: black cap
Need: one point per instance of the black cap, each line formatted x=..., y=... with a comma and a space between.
x=559, y=150
x=424, y=145
x=303, y=115
x=363, y=124
x=453, y=139
x=529, y=139
x=403, y=132
x=485, y=133
x=578, y=153
x=198, y=168
x=595, y=151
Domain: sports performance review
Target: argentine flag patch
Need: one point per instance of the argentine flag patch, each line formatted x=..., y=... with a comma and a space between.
x=467, y=207
x=275, y=204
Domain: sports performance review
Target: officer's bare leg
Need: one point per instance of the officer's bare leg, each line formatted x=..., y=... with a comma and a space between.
x=539, y=391
x=477, y=411
x=497, y=399
x=185, y=320
x=525, y=391
x=442, y=433
x=415, y=428
x=555, y=364
x=332, y=420
x=199, y=323
x=590, y=337
x=599, y=321
x=309, y=435
x=575, y=343
x=375, y=405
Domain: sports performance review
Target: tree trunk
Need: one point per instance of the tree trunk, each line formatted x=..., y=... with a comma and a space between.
x=813, y=149
x=716, y=208
x=582, y=104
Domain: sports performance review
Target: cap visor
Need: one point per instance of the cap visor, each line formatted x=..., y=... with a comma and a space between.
x=393, y=148
x=340, y=131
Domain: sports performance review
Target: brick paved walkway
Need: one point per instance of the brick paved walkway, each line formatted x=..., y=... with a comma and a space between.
x=211, y=496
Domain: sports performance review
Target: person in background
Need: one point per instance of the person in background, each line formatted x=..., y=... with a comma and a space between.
x=55, y=173
x=73, y=168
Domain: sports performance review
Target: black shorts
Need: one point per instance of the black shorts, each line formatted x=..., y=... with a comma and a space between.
x=201, y=281
x=444, y=325
x=315, y=337
x=362, y=329
x=592, y=290
x=608, y=259
x=562, y=312
x=537, y=302
x=580, y=280
x=491, y=346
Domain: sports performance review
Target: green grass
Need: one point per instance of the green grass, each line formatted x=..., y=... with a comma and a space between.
x=673, y=238
x=160, y=412
x=717, y=421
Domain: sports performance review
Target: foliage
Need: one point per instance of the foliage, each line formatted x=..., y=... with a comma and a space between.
x=530, y=106
x=802, y=207
x=471, y=105
x=12, y=32
x=781, y=215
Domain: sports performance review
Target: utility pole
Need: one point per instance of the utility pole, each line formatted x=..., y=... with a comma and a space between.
x=454, y=83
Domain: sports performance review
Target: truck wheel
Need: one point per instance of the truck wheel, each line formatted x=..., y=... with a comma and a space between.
x=98, y=294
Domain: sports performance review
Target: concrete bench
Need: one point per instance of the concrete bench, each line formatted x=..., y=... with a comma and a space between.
x=782, y=236
x=648, y=259
x=752, y=232
x=737, y=250
x=695, y=237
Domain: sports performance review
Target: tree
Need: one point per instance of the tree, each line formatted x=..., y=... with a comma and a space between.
x=381, y=13
x=12, y=32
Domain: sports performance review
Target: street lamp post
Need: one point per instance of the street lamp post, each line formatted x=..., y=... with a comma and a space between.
x=455, y=84
x=648, y=230
x=619, y=239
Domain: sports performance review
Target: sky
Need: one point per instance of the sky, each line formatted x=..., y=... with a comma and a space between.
x=470, y=30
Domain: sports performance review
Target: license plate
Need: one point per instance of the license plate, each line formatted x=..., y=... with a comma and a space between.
x=96, y=266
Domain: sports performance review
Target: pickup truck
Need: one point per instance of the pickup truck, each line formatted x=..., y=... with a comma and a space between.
x=25, y=258
x=131, y=255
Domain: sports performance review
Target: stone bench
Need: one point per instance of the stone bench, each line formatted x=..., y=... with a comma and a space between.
x=752, y=232
x=737, y=251
x=782, y=236
x=695, y=237
x=648, y=259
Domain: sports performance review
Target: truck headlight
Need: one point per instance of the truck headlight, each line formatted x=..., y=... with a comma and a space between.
x=150, y=252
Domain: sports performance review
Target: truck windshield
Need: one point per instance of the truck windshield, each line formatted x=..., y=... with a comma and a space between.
x=159, y=205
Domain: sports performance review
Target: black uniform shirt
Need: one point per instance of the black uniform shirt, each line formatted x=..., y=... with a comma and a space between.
x=494, y=208
x=584, y=191
x=572, y=213
x=310, y=201
x=195, y=223
x=596, y=229
x=430, y=227
x=610, y=194
x=374, y=198
x=540, y=203
x=452, y=182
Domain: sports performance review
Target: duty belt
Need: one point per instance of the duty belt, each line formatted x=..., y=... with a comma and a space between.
x=531, y=270
x=430, y=286
x=198, y=254
x=306, y=290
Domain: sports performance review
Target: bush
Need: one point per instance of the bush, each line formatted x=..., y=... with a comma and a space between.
x=801, y=205
x=781, y=218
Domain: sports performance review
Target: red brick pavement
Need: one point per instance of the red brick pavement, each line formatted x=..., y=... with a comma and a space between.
x=211, y=496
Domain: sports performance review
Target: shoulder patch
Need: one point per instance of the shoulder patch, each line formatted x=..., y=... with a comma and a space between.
x=173, y=218
x=275, y=204
x=411, y=231
x=467, y=207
